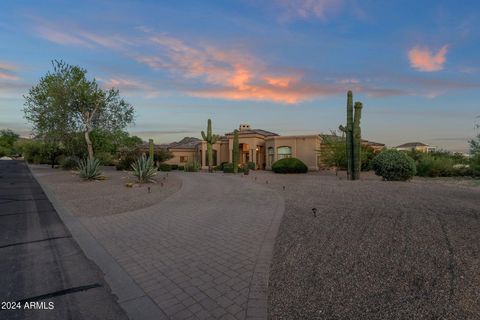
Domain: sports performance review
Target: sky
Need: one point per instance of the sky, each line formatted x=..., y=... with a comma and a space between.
x=278, y=65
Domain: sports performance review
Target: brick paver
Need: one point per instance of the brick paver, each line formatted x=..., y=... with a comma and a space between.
x=202, y=253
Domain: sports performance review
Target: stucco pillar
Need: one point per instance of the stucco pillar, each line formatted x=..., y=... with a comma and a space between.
x=204, y=157
x=254, y=155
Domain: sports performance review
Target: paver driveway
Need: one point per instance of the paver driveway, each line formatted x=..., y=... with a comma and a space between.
x=204, y=252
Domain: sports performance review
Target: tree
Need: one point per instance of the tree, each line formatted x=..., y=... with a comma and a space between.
x=65, y=102
x=333, y=151
x=7, y=142
x=475, y=142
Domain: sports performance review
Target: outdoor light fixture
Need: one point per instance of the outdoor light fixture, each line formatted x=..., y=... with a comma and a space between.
x=314, y=210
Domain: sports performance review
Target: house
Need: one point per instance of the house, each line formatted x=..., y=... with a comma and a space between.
x=256, y=145
x=416, y=146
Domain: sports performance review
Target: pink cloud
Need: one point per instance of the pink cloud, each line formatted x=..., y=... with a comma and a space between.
x=130, y=86
x=7, y=71
x=422, y=58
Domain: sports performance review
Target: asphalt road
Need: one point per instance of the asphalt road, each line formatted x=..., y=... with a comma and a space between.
x=44, y=273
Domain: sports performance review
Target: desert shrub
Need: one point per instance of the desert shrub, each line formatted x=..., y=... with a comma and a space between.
x=228, y=168
x=192, y=166
x=127, y=156
x=393, y=165
x=251, y=165
x=289, y=165
x=174, y=166
x=69, y=163
x=89, y=169
x=106, y=158
x=181, y=168
x=165, y=167
x=144, y=169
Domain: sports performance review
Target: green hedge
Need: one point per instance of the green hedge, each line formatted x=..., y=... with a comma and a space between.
x=289, y=165
x=393, y=165
x=251, y=165
x=164, y=167
x=228, y=168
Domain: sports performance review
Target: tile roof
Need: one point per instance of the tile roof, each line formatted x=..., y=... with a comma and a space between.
x=255, y=131
x=185, y=143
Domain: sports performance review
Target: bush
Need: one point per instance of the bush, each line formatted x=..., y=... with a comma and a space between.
x=192, y=166
x=69, y=163
x=165, y=167
x=144, y=169
x=89, y=169
x=106, y=158
x=127, y=157
x=228, y=168
x=174, y=166
x=246, y=169
x=394, y=165
x=251, y=165
x=289, y=165
x=182, y=168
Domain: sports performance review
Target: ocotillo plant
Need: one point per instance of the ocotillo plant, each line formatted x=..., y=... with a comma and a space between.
x=353, y=138
x=235, y=151
x=210, y=139
x=151, y=149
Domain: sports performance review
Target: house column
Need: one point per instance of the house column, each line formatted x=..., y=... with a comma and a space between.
x=204, y=157
x=254, y=155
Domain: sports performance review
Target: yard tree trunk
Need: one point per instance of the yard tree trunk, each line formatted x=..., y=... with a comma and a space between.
x=89, y=144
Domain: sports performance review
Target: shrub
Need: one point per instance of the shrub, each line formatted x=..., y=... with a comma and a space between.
x=394, y=165
x=69, y=163
x=289, y=165
x=192, y=166
x=144, y=169
x=106, y=158
x=127, y=156
x=174, y=166
x=246, y=169
x=165, y=167
x=228, y=168
x=251, y=165
x=182, y=168
x=89, y=169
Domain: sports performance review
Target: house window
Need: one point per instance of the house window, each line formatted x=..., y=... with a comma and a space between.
x=183, y=159
x=284, y=152
x=271, y=154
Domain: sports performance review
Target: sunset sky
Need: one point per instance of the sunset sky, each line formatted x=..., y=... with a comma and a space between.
x=279, y=65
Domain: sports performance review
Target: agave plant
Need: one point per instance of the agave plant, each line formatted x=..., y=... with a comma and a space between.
x=144, y=169
x=89, y=169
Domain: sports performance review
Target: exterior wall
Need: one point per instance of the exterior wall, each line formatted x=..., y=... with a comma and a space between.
x=177, y=153
x=303, y=148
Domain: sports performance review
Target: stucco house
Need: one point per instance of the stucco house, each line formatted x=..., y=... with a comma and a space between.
x=416, y=146
x=256, y=145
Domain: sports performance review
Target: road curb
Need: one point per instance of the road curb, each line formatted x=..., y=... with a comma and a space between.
x=136, y=303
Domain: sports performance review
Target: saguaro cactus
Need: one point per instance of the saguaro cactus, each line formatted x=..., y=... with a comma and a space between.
x=235, y=151
x=357, y=142
x=151, y=149
x=353, y=138
x=211, y=139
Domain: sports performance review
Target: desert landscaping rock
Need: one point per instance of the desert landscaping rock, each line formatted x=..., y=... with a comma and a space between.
x=377, y=250
x=105, y=197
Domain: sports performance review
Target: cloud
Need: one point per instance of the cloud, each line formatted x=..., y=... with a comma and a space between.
x=130, y=86
x=422, y=58
x=304, y=9
x=7, y=71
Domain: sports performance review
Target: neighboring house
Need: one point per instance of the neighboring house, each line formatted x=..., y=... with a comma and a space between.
x=416, y=146
x=377, y=147
x=258, y=146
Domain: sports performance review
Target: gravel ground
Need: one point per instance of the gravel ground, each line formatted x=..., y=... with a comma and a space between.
x=105, y=197
x=376, y=250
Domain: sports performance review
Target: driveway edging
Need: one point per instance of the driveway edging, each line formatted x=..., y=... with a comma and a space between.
x=136, y=303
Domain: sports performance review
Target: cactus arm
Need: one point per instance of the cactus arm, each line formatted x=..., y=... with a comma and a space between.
x=204, y=136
